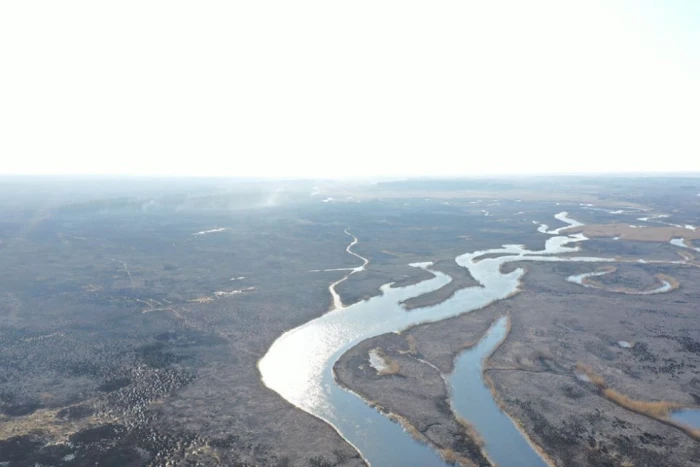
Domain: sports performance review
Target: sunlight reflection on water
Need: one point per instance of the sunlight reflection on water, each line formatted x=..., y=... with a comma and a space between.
x=299, y=365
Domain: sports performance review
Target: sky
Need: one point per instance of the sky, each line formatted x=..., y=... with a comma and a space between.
x=330, y=89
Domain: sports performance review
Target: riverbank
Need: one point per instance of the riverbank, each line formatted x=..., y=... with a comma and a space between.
x=533, y=373
x=417, y=394
x=460, y=279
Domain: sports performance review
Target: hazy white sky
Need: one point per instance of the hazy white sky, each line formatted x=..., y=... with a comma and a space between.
x=354, y=88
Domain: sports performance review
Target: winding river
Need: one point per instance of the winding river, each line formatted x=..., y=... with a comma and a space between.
x=581, y=279
x=471, y=399
x=299, y=364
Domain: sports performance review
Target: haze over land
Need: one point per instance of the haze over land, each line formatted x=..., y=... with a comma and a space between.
x=172, y=321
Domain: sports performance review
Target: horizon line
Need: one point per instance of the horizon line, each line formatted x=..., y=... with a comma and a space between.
x=257, y=178
x=674, y=173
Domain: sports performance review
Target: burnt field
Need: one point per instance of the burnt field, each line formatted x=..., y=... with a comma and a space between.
x=641, y=347
x=130, y=327
x=591, y=371
x=132, y=317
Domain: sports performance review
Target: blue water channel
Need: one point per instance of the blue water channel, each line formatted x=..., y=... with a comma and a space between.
x=472, y=400
x=687, y=417
x=299, y=364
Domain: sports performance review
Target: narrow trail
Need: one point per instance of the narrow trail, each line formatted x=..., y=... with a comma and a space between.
x=337, y=301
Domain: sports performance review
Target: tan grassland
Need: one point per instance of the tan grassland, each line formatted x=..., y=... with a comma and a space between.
x=658, y=410
x=392, y=366
x=637, y=234
x=525, y=195
x=45, y=421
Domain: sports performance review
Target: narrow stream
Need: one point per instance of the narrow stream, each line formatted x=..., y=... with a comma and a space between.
x=472, y=400
x=581, y=280
x=682, y=243
x=337, y=302
x=299, y=364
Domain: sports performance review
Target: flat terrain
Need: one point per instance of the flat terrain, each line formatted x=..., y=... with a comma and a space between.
x=117, y=349
x=636, y=233
x=643, y=347
x=534, y=371
x=417, y=392
x=133, y=315
x=555, y=326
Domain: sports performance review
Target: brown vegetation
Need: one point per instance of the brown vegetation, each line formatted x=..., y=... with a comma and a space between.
x=412, y=346
x=45, y=421
x=470, y=431
x=452, y=457
x=391, y=366
x=670, y=279
x=638, y=234
x=591, y=375
x=408, y=426
x=449, y=455
x=524, y=194
x=658, y=410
